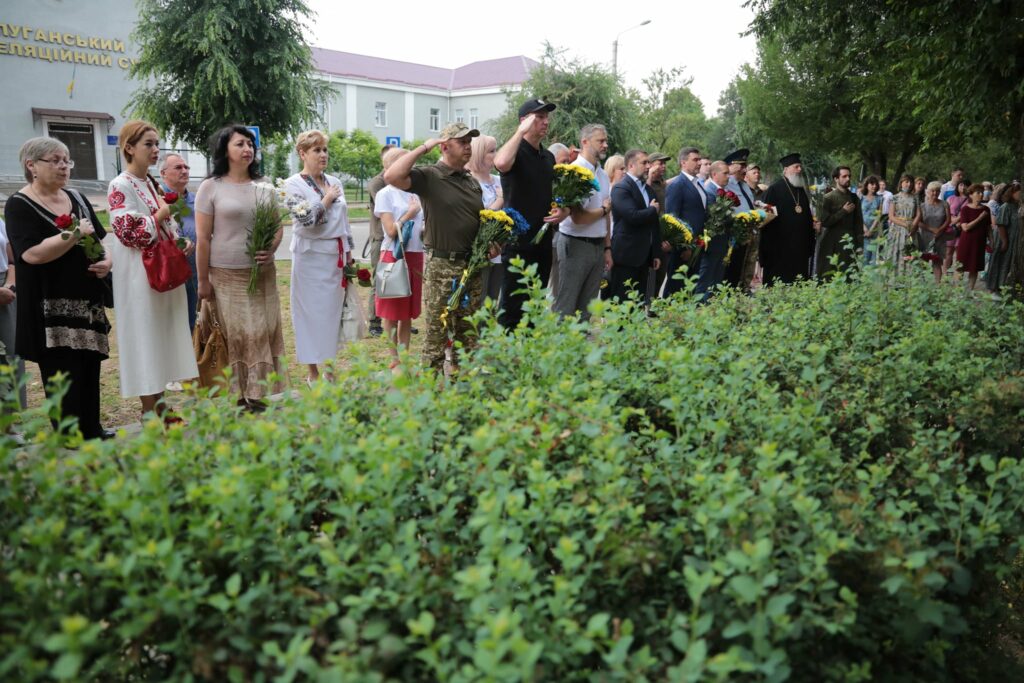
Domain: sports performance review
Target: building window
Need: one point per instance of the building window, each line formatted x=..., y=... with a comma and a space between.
x=474, y=118
x=380, y=114
x=435, y=119
x=321, y=109
x=459, y=116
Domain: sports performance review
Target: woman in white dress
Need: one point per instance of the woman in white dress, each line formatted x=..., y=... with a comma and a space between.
x=153, y=343
x=321, y=248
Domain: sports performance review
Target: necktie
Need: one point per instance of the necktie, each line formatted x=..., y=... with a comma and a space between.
x=750, y=202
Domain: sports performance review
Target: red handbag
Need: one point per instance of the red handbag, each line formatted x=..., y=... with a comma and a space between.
x=166, y=265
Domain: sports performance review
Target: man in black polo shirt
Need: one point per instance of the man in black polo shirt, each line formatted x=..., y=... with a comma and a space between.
x=527, y=170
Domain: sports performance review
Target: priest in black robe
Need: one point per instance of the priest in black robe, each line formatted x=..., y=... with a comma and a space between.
x=787, y=243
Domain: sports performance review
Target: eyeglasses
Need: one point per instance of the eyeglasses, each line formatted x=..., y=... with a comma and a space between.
x=59, y=162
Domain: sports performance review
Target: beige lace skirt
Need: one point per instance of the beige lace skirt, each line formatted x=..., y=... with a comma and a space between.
x=252, y=328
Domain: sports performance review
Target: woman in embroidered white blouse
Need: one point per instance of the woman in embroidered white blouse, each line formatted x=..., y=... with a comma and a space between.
x=154, y=346
x=321, y=248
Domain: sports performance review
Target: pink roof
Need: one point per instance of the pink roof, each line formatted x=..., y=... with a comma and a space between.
x=488, y=73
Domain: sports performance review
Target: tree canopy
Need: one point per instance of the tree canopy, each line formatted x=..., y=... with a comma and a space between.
x=193, y=81
x=585, y=93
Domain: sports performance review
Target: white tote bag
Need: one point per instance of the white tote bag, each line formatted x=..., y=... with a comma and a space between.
x=353, y=316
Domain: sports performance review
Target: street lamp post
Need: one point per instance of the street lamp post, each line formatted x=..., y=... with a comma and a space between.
x=615, y=45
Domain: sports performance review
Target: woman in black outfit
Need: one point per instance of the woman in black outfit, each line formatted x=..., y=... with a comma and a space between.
x=61, y=323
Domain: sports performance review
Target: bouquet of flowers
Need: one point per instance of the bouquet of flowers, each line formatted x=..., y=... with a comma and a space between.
x=68, y=226
x=571, y=187
x=266, y=221
x=700, y=244
x=746, y=223
x=297, y=206
x=496, y=228
x=358, y=274
x=719, y=219
x=674, y=231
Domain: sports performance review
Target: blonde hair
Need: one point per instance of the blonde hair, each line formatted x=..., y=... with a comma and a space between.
x=35, y=149
x=391, y=156
x=309, y=138
x=131, y=132
x=614, y=163
x=934, y=185
x=479, y=147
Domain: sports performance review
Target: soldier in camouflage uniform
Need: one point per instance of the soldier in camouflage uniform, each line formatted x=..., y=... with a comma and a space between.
x=451, y=201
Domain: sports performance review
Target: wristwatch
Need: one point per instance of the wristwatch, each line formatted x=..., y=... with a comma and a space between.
x=13, y=288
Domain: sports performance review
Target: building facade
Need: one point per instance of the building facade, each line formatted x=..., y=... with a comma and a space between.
x=64, y=72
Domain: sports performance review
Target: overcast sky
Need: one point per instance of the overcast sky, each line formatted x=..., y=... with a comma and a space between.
x=702, y=37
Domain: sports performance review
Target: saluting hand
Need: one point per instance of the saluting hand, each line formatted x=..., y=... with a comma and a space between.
x=526, y=124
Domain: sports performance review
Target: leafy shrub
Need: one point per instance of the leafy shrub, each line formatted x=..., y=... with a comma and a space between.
x=820, y=482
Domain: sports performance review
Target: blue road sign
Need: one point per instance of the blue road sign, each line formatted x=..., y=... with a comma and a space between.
x=256, y=133
x=393, y=140
x=112, y=140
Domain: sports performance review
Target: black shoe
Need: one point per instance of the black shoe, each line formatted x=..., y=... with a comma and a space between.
x=376, y=331
x=106, y=434
x=414, y=331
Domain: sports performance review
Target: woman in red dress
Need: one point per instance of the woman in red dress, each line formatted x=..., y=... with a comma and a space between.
x=975, y=219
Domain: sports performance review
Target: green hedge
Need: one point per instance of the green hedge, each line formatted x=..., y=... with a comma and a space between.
x=817, y=483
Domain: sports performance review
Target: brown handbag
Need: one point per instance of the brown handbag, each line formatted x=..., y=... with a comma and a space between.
x=210, y=347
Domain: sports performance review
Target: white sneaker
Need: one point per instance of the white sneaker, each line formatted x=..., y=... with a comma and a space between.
x=174, y=386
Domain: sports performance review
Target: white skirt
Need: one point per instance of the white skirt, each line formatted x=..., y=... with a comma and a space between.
x=316, y=297
x=154, y=345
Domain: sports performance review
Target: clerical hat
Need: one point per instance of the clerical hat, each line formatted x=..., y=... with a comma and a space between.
x=790, y=159
x=737, y=157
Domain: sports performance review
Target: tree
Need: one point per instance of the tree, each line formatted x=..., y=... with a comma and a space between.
x=823, y=102
x=430, y=157
x=953, y=68
x=227, y=61
x=355, y=154
x=275, y=156
x=671, y=116
x=585, y=93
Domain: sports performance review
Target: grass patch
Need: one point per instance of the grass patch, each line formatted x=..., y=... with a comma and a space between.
x=116, y=411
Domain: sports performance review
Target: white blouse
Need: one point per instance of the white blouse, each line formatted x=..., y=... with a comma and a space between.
x=315, y=228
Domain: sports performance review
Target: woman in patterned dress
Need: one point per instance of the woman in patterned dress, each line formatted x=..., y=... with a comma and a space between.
x=153, y=343
x=904, y=214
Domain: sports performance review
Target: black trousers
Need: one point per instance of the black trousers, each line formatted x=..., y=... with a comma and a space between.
x=512, y=302
x=82, y=399
x=626, y=279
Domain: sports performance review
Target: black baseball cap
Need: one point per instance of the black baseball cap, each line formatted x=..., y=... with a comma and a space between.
x=532, y=106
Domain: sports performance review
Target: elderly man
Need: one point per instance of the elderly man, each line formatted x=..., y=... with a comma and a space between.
x=375, y=185
x=734, y=269
x=583, y=242
x=685, y=199
x=451, y=201
x=174, y=172
x=527, y=171
x=787, y=243
x=712, y=264
x=840, y=218
x=636, y=243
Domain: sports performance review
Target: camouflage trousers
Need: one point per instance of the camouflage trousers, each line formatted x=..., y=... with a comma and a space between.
x=438, y=276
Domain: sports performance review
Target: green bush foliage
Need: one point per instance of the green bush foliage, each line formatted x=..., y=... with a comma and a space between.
x=817, y=483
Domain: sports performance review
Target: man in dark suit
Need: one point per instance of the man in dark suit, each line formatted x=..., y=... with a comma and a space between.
x=636, y=243
x=712, y=264
x=687, y=201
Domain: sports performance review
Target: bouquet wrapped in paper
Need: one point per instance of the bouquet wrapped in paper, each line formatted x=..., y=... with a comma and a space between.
x=719, y=219
x=497, y=228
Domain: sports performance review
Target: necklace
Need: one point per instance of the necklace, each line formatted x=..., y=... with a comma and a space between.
x=47, y=205
x=796, y=203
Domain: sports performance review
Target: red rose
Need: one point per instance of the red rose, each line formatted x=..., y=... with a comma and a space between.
x=170, y=197
x=720, y=193
x=64, y=222
x=363, y=274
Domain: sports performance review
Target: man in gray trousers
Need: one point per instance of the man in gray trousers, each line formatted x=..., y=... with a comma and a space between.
x=583, y=240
